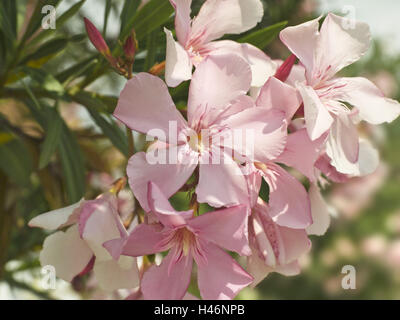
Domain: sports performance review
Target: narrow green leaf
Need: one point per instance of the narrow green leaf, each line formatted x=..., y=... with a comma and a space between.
x=36, y=19
x=48, y=48
x=72, y=165
x=44, y=79
x=261, y=38
x=15, y=162
x=107, y=10
x=76, y=70
x=150, y=17
x=60, y=22
x=151, y=46
x=128, y=11
x=52, y=140
x=112, y=131
x=8, y=18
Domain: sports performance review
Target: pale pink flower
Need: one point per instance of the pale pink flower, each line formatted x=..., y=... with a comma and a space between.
x=275, y=248
x=80, y=248
x=189, y=238
x=196, y=37
x=217, y=106
x=323, y=53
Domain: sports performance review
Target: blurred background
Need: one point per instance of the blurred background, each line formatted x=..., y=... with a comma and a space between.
x=56, y=76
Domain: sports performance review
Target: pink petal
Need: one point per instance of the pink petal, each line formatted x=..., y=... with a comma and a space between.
x=301, y=153
x=163, y=210
x=373, y=107
x=222, y=277
x=319, y=210
x=182, y=19
x=262, y=67
x=217, y=18
x=267, y=129
x=277, y=95
x=324, y=165
x=301, y=40
x=143, y=240
x=168, y=177
x=145, y=104
x=217, y=81
x=341, y=42
x=317, y=117
x=66, y=252
x=342, y=145
x=288, y=200
x=178, y=66
x=112, y=275
x=168, y=281
x=58, y=218
x=227, y=228
x=221, y=184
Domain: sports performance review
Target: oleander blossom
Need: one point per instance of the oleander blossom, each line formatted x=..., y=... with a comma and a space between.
x=326, y=98
x=189, y=238
x=79, y=249
x=196, y=37
x=217, y=108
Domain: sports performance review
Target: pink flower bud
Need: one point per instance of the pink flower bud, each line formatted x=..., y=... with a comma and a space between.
x=284, y=70
x=97, y=39
x=130, y=47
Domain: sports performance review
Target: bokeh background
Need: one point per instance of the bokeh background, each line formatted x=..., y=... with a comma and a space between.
x=66, y=79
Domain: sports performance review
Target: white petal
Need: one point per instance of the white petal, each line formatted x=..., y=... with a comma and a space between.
x=319, y=212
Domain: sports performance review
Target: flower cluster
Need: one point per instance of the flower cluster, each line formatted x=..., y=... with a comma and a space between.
x=250, y=120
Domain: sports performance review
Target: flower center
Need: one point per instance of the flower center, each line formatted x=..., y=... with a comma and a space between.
x=195, y=142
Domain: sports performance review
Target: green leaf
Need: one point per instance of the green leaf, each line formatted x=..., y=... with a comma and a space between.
x=60, y=22
x=107, y=10
x=47, y=49
x=76, y=70
x=8, y=18
x=112, y=131
x=128, y=11
x=16, y=162
x=150, y=17
x=72, y=165
x=36, y=19
x=151, y=47
x=44, y=79
x=261, y=38
x=52, y=140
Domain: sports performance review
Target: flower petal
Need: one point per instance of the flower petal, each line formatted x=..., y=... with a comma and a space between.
x=145, y=104
x=66, y=252
x=301, y=153
x=178, y=66
x=217, y=81
x=262, y=67
x=58, y=218
x=182, y=19
x=168, y=281
x=317, y=117
x=112, y=275
x=163, y=210
x=222, y=277
x=221, y=184
x=288, y=200
x=217, y=18
x=319, y=211
x=168, y=177
x=277, y=95
x=227, y=228
x=373, y=107
x=265, y=128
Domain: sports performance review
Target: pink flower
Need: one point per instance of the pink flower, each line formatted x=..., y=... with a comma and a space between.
x=323, y=53
x=189, y=238
x=90, y=223
x=275, y=248
x=218, y=107
x=195, y=37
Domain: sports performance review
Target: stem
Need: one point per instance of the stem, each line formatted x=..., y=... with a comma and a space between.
x=131, y=141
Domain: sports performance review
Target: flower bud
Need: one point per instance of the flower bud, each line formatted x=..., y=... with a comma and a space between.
x=97, y=40
x=284, y=70
x=130, y=47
